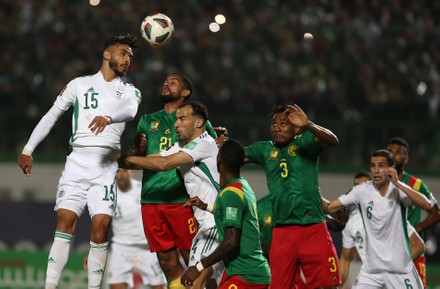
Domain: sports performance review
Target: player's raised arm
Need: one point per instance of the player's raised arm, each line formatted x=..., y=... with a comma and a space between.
x=42, y=129
x=323, y=136
x=160, y=163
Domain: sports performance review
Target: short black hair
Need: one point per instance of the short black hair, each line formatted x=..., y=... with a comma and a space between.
x=128, y=39
x=384, y=153
x=198, y=108
x=232, y=154
x=399, y=141
x=363, y=175
x=187, y=83
x=279, y=108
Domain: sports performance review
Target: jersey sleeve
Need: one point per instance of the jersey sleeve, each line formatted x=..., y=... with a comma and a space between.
x=142, y=124
x=347, y=239
x=425, y=190
x=210, y=129
x=129, y=107
x=255, y=152
x=198, y=150
x=351, y=198
x=410, y=228
x=233, y=203
x=64, y=101
x=406, y=201
x=67, y=96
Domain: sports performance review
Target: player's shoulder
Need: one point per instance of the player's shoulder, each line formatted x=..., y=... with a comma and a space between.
x=83, y=79
x=263, y=200
x=128, y=85
x=207, y=139
x=262, y=144
x=235, y=187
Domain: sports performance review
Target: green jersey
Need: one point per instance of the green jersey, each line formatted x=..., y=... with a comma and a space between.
x=236, y=207
x=414, y=212
x=292, y=178
x=162, y=187
x=264, y=209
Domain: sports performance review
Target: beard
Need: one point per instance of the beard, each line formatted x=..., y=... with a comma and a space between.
x=169, y=98
x=114, y=65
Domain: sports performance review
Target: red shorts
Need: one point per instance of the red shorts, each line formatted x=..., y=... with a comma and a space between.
x=168, y=225
x=309, y=248
x=420, y=264
x=235, y=282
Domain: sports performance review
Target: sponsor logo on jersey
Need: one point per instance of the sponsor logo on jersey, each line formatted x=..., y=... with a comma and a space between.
x=98, y=272
x=293, y=150
x=231, y=213
x=61, y=194
x=154, y=125
x=273, y=155
x=167, y=131
x=190, y=145
x=90, y=89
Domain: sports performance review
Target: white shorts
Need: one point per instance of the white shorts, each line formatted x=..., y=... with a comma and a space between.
x=388, y=280
x=203, y=244
x=89, y=179
x=124, y=260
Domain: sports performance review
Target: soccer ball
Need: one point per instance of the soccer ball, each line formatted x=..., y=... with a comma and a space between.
x=157, y=29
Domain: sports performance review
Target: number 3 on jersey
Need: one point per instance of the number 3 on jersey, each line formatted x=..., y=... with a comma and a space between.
x=284, y=170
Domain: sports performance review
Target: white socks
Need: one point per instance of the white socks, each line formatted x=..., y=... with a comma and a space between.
x=96, y=264
x=58, y=255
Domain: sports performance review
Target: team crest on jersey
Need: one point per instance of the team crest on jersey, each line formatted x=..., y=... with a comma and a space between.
x=154, y=125
x=273, y=155
x=118, y=94
x=293, y=150
x=267, y=220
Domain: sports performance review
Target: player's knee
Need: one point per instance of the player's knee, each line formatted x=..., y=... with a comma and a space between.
x=99, y=236
x=172, y=268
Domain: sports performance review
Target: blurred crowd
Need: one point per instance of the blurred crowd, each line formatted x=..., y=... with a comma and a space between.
x=370, y=73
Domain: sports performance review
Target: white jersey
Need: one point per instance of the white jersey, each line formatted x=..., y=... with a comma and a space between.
x=384, y=219
x=353, y=234
x=91, y=96
x=201, y=178
x=127, y=223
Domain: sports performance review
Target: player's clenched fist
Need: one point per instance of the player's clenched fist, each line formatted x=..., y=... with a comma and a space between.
x=25, y=163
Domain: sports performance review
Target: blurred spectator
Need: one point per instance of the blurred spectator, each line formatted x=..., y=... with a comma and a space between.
x=366, y=62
